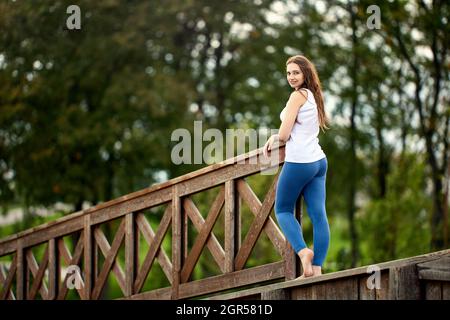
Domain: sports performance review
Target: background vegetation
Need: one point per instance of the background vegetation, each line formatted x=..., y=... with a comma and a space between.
x=87, y=115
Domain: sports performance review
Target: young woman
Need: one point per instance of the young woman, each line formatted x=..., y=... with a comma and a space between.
x=305, y=167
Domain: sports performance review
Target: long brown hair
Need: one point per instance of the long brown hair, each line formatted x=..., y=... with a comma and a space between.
x=312, y=83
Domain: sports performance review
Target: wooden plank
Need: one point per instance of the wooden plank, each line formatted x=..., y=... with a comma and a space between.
x=235, y=279
x=364, y=292
x=445, y=290
x=247, y=194
x=256, y=227
x=319, y=291
x=272, y=271
x=136, y=204
x=291, y=268
x=20, y=273
x=437, y=269
x=149, y=237
x=105, y=248
x=302, y=293
x=404, y=283
x=237, y=220
x=372, y=289
x=38, y=272
x=157, y=294
x=279, y=294
x=433, y=290
x=95, y=258
x=53, y=269
x=384, y=291
x=63, y=251
x=343, y=289
x=129, y=253
x=435, y=275
x=212, y=243
x=88, y=263
x=298, y=286
x=6, y=290
x=3, y=280
x=109, y=260
x=71, y=261
x=177, y=244
x=154, y=248
x=338, y=289
x=185, y=234
x=200, y=241
x=137, y=248
x=53, y=231
x=218, y=177
x=27, y=279
x=230, y=226
x=273, y=232
x=441, y=263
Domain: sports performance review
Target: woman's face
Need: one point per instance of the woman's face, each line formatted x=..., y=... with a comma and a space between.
x=294, y=75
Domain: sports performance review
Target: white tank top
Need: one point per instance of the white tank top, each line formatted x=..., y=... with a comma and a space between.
x=303, y=144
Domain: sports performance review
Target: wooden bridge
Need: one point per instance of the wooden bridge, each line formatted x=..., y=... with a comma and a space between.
x=32, y=262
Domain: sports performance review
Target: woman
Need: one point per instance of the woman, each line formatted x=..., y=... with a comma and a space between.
x=305, y=167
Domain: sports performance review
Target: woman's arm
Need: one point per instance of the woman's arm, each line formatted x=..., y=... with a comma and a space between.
x=296, y=100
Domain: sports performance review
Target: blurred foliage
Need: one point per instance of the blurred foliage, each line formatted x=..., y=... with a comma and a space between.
x=87, y=115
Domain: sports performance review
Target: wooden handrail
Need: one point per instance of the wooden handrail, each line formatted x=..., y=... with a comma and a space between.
x=229, y=175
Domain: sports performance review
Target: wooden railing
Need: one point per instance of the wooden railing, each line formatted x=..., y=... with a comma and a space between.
x=23, y=277
x=423, y=277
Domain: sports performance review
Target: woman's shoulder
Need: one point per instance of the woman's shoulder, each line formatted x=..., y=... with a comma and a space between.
x=299, y=94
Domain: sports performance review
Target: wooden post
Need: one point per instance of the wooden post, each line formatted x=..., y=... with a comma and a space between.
x=88, y=265
x=185, y=232
x=21, y=266
x=130, y=267
x=404, y=283
x=137, y=241
x=230, y=226
x=177, y=244
x=27, y=277
x=95, y=259
x=53, y=270
x=237, y=219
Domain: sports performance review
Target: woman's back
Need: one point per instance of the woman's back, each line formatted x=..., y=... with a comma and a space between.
x=303, y=143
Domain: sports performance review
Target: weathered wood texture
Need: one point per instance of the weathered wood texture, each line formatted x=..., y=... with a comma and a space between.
x=97, y=258
x=397, y=280
x=97, y=255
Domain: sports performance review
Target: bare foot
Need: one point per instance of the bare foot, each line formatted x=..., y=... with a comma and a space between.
x=306, y=257
x=317, y=270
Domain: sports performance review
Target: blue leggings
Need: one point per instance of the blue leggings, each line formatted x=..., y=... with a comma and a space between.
x=307, y=179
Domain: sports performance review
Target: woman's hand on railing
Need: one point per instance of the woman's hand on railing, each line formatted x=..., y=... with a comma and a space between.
x=273, y=140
